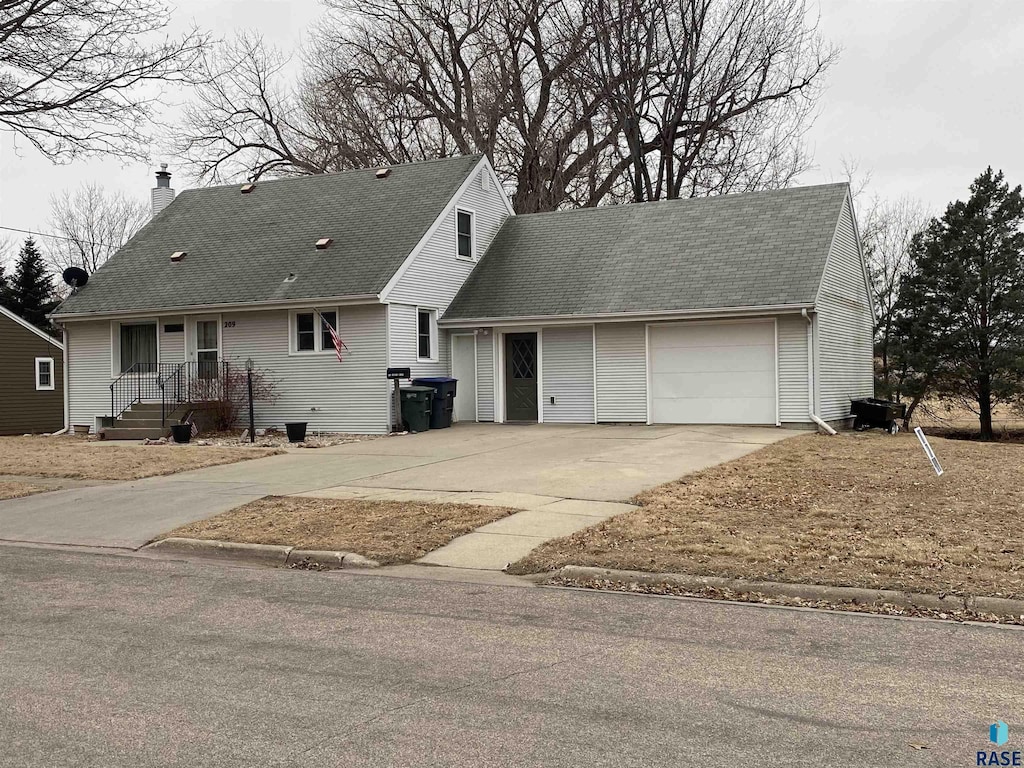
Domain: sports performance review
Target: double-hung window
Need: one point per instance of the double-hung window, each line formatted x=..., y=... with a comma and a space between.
x=464, y=234
x=44, y=373
x=311, y=331
x=426, y=334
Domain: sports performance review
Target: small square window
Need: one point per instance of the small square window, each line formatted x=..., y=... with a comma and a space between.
x=44, y=373
x=426, y=333
x=464, y=231
x=305, y=335
x=328, y=320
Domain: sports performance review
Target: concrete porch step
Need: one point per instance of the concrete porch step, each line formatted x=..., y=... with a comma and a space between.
x=142, y=423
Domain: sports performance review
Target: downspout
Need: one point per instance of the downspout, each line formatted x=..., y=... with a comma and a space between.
x=64, y=366
x=810, y=375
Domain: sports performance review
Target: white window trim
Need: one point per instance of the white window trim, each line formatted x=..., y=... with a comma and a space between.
x=472, y=233
x=53, y=374
x=115, y=343
x=434, y=352
x=319, y=350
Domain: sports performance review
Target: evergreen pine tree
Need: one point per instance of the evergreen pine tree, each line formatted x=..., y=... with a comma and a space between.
x=964, y=302
x=31, y=292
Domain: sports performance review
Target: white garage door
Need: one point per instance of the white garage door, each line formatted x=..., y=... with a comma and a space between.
x=713, y=373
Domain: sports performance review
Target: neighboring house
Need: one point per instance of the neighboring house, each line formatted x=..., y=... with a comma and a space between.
x=31, y=378
x=691, y=311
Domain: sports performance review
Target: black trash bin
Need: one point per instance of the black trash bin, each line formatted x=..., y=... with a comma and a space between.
x=417, y=405
x=444, y=399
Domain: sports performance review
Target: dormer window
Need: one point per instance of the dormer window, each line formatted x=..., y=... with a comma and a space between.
x=464, y=234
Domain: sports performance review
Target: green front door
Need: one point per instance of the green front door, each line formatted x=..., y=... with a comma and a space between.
x=521, y=377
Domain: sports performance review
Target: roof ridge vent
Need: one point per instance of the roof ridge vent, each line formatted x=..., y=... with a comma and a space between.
x=247, y=188
x=382, y=173
x=324, y=243
x=178, y=256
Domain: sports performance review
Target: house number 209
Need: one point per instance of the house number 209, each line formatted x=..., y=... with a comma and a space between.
x=229, y=323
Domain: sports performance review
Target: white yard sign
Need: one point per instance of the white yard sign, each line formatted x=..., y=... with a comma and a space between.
x=928, y=450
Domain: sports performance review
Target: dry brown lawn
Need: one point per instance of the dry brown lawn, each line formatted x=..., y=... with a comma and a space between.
x=73, y=457
x=385, y=531
x=860, y=509
x=17, y=490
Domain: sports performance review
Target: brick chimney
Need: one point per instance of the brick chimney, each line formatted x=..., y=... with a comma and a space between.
x=162, y=194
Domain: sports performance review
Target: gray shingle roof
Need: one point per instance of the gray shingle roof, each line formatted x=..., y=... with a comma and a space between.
x=242, y=246
x=754, y=249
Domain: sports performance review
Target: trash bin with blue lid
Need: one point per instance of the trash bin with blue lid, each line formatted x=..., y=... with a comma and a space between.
x=444, y=399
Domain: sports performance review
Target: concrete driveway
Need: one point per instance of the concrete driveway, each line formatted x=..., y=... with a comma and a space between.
x=591, y=462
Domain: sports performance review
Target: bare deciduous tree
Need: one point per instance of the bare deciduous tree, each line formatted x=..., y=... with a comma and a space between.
x=95, y=225
x=73, y=72
x=887, y=232
x=577, y=102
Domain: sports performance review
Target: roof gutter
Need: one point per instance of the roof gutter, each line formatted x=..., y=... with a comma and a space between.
x=625, y=317
x=202, y=309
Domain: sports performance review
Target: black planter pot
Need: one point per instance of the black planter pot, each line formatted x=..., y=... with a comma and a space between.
x=181, y=433
x=296, y=431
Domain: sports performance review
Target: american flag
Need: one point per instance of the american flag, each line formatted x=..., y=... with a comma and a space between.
x=338, y=343
x=192, y=424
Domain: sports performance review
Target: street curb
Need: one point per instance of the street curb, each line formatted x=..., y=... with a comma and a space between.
x=330, y=559
x=856, y=595
x=262, y=553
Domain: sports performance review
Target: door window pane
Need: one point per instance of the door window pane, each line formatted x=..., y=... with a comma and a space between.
x=206, y=331
x=304, y=334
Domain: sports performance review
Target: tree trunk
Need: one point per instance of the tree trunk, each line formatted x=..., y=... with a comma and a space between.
x=985, y=406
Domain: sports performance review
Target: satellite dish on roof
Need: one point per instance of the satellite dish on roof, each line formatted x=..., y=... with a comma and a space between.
x=76, y=277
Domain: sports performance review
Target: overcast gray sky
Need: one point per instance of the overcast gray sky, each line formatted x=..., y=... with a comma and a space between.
x=925, y=95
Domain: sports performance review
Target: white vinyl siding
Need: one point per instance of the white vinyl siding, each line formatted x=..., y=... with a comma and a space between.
x=403, y=351
x=88, y=361
x=485, y=376
x=844, y=326
x=621, y=372
x=793, y=406
x=350, y=396
x=172, y=345
x=437, y=273
x=568, y=374
x=713, y=373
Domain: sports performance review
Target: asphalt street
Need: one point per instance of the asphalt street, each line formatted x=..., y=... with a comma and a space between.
x=109, y=660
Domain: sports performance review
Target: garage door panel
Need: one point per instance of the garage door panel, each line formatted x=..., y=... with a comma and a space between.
x=738, y=359
x=713, y=373
x=704, y=385
x=715, y=410
x=725, y=335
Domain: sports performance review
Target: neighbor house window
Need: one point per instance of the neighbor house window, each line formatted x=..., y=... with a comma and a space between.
x=44, y=373
x=138, y=347
x=426, y=334
x=464, y=233
x=312, y=331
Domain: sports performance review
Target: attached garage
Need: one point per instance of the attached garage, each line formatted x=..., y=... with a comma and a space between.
x=713, y=373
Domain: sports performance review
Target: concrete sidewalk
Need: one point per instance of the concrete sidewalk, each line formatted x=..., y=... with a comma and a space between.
x=493, y=546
